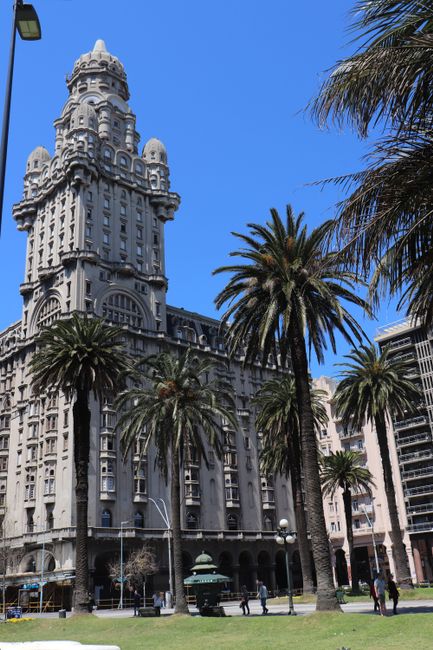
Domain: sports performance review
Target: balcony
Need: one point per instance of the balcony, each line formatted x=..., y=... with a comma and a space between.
x=418, y=528
x=350, y=433
x=410, y=422
x=420, y=490
x=414, y=440
x=401, y=343
x=417, y=473
x=416, y=455
x=423, y=507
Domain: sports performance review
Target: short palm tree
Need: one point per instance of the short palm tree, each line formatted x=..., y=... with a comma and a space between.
x=287, y=295
x=375, y=387
x=344, y=470
x=278, y=421
x=385, y=223
x=173, y=408
x=80, y=357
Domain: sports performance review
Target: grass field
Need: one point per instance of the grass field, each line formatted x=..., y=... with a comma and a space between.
x=318, y=631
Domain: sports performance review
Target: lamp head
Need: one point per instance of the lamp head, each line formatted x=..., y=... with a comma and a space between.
x=284, y=523
x=27, y=22
x=279, y=540
x=290, y=539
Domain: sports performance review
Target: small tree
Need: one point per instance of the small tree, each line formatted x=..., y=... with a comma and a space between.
x=139, y=565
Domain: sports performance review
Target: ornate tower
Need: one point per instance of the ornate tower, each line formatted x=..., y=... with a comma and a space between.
x=95, y=211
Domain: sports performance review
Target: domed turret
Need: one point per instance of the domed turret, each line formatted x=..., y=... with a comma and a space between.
x=155, y=152
x=37, y=158
x=84, y=116
x=100, y=62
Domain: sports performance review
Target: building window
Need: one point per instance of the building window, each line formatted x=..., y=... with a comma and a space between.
x=49, y=312
x=138, y=520
x=106, y=203
x=140, y=250
x=139, y=216
x=123, y=244
x=191, y=521
x=232, y=522
x=106, y=238
x=140, y=487
x=139, y=233
x=49, y=481
x=106, y=220
x=123, y=227
x=106, y=520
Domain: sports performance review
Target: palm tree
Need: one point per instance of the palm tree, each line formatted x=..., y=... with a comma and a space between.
x=278, y=421
x=80, y=356
x=375, y=385
x=287, y=296
x=385, y=223
x=343, y=469
x=171, y=409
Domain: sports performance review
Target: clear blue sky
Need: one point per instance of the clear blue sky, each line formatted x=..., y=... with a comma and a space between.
x=223, y=85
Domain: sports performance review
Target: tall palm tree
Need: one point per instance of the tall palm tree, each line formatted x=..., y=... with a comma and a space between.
x=290, y=291
x=278, y=421
x=385, y=223
x=343, y=469
x=172, y=408
x=80, y=356
x=375, y=387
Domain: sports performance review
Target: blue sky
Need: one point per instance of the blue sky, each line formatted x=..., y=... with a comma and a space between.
x=223, y=85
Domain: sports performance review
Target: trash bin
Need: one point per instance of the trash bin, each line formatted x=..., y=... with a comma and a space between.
x=62, y=613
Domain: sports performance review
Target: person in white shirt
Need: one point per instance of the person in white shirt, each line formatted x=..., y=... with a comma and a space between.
x=380, y=589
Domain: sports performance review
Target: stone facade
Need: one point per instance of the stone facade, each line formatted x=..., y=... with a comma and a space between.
x=94, y=214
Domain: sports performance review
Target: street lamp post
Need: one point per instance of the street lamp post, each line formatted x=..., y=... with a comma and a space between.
x=370, y=523
x=26, y=21
x=286, y=537
x=166, y=520
x=41, y=585
x=122, y=523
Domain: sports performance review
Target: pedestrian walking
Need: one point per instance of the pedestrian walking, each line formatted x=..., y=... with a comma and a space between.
x=137, y=602
x=157, y=603
x=373, y=595
x=262, y=594
x=393, y=593
x=379, y=587
x=244, y=601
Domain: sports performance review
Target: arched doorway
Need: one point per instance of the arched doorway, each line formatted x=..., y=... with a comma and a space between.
x=225, y=564
x=245, y=571
x=264, y=568
x=341, y=567
x=280, y=571
x=104, y=586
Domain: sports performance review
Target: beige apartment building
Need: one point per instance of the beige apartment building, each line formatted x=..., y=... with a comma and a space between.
x=94, y=213
x=371, y=525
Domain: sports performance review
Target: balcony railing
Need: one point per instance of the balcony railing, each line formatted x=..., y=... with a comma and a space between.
x=421, y=489
x=410, y=422
x=424, y=526
x=423, y=507
x=413, y=440
x=415, y=473
x=416, y=455
x=394, y=345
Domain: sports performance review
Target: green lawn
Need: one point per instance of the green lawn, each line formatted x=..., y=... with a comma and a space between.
x=318, y=631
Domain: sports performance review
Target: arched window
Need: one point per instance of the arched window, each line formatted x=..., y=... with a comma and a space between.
x=232, y=522
x=49, y=312
x=107, y=154
x=191, y=521
x=138, y=520
x=268, y=522
x=119, y=308
x=123, y=161
x=106, y=520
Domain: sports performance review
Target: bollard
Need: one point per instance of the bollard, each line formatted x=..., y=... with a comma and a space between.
x=62, y=613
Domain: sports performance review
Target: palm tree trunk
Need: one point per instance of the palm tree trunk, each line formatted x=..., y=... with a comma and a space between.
x=81, y=415
x=302, y=536
x=326, y=599
x=181, y=606
x=347, y=500
x=401, y=561
x=293, y=443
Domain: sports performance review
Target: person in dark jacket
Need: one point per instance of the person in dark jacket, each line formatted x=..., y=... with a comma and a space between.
x=137, y=602
x=393, y=593
x=244, y=601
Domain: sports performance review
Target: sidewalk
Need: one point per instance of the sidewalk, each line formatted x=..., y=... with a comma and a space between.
x=232, y=609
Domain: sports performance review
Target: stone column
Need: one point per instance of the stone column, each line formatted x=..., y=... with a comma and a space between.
x=418, y=563
x=273, y=582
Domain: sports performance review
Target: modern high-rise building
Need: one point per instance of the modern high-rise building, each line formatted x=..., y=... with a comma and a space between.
x=94, y=215
x=413, y=440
